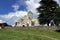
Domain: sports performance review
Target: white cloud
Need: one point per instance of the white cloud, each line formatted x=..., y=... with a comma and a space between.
x=16, y=7
x=12, y=17
x=16, y=14
x=58, y=2
x=1, y=21
x=32, y=5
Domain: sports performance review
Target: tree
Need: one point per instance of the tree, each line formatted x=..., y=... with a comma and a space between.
x=47, y=11
x=57, y=17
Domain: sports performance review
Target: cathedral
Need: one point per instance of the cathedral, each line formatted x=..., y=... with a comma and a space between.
x=27, y=20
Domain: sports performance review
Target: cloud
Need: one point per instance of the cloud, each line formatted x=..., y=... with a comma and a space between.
x=16, y=7
x=1, y=21
x=32, y=5
x=12, y=14
x=58, y=2
x=12, y=17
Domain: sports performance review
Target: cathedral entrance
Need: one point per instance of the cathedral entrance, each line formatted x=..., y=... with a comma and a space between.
x=23, y=25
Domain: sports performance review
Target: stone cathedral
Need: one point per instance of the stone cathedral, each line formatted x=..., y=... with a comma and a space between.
x=27, y=20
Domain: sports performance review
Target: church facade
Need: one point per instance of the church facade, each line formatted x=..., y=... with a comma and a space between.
x=27, y=20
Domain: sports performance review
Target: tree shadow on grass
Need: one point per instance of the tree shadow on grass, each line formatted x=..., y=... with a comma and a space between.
x=58, y=30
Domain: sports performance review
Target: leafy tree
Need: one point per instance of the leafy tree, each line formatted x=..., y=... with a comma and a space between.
x=47, y=10
x=57, y=17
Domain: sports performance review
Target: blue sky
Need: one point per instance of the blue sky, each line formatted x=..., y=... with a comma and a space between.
x=12, y=10
x=8, y=13
x=6, y=5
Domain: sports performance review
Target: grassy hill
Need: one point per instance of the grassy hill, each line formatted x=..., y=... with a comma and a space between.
x=25, y=34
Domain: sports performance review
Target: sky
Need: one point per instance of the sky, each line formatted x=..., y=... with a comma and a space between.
x=12, y=10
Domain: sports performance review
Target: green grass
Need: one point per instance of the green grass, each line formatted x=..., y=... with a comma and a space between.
x=15, y=34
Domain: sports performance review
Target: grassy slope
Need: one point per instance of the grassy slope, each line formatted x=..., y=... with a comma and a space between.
x=12, y=34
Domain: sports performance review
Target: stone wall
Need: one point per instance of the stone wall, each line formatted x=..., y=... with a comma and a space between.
x=39, y=27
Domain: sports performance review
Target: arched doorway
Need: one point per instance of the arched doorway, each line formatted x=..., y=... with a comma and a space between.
x=23, y=25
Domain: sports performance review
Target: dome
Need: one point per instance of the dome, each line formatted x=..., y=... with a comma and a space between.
x=30, y=12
